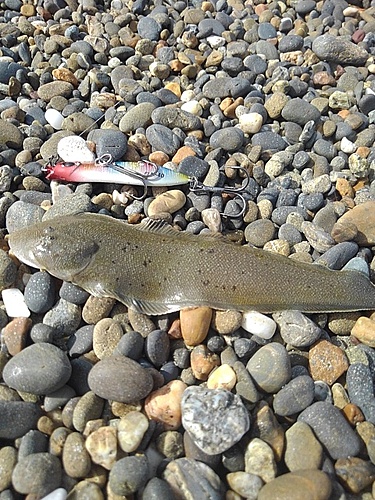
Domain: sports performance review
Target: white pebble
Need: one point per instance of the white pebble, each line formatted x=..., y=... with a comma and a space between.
x=187, y=95
x=211, y=217
x=258, y=324
x=215, y=41
x=54, y=118
x=192, y=107
x=74, y=148
x=14, y=303
x=59, y=494
x=347, y=146
x=250, y=123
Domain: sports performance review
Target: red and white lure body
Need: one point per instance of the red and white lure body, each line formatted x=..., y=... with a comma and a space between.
x=138, y=173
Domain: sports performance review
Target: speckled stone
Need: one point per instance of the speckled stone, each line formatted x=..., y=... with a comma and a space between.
x=332, y=429
x=8, y=460
x=215, y=419
x=355, y=473
x=38, y=474
x=89, y=407
x=107, y=334
x=260, y=460
x=128, y=475
x=295, y=396
x=75, y=459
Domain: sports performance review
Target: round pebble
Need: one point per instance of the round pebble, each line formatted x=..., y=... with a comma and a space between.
x=120, y=379
x=270, y=367
x=39, y=368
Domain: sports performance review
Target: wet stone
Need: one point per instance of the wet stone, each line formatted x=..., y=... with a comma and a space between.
x=215, y=419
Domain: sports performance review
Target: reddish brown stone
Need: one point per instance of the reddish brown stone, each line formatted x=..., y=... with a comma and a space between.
x=324, y=78
x=358, y=36
x=327, y=362
x=15, y=334
x=353, y=414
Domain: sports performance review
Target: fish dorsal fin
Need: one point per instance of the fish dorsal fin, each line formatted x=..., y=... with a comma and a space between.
x=157, y=226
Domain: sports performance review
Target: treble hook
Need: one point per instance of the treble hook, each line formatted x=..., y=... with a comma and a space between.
x=197, y=186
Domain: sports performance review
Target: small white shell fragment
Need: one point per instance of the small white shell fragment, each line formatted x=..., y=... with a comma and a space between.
x=54, y=118
x=258, y=324
x=347, y=146
x=74, y=148
x=14, y=303
x=192, y=107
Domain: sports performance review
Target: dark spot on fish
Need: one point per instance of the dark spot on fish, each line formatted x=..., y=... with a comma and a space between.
x=205, y=282
x=211, y=250
x=234, y=288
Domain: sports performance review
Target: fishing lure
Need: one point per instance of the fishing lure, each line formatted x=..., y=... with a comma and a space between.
x=137, y=173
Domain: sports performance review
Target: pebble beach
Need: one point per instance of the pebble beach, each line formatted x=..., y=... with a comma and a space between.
x=275, y=98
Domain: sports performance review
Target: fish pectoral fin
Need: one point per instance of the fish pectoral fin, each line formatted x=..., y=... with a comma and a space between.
x=152, y=308
x=141, y=306
x=157, y=226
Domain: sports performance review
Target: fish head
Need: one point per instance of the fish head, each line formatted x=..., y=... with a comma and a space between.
x=53, y=246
